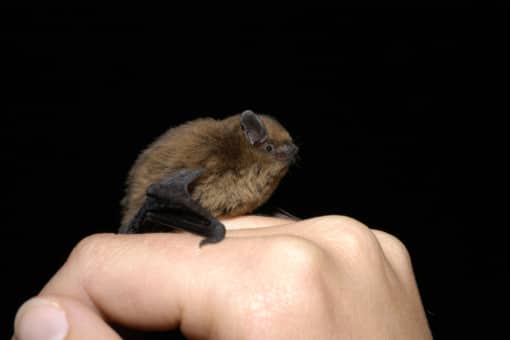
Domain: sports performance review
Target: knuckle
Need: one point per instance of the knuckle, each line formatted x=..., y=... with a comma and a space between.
x=299, y=257
x=92, y=251
x=294, y=265
x=351, y=236
x=398, y=247
x=395, y=250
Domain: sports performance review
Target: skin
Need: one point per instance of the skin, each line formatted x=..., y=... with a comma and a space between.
x=329, y=277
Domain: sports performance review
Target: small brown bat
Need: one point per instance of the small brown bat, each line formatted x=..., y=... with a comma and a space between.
x=203, y=170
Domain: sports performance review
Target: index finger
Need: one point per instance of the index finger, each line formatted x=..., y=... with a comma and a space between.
x=141, y=281
x=149, y=281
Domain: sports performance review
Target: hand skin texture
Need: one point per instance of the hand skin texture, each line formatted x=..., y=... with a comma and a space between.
x=328, y=277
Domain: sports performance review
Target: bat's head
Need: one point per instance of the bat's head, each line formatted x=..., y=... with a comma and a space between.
x=268, y=140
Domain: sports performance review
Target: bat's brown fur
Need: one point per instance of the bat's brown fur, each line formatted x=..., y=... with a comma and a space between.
x=238, y=178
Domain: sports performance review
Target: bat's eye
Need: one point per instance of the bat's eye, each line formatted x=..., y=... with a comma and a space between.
x=269, y=148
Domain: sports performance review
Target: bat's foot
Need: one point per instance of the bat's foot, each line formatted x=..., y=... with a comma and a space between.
x=169, y=206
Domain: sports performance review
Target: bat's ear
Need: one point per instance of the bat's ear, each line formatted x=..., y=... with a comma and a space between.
x=253, y=127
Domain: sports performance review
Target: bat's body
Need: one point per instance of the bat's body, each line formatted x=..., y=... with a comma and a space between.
x=206, y=169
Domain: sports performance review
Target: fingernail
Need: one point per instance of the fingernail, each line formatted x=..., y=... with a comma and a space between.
x=40, y=319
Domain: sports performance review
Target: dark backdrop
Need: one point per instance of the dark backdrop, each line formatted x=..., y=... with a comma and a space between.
x=381, y=102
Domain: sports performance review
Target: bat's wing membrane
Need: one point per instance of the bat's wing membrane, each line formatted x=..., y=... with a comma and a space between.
x=169, y=206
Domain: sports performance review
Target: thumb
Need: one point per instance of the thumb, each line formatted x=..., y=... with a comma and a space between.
x=57, y=317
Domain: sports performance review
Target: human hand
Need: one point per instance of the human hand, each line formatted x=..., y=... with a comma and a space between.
x=324, y=278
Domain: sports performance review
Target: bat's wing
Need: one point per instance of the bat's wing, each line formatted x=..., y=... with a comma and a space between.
x=169, y=206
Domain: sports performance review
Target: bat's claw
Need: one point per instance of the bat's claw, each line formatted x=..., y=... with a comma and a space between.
x=217, y=234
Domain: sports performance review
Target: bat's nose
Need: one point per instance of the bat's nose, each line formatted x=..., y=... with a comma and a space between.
x=290, y=151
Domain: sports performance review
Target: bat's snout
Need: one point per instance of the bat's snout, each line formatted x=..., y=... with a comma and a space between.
x=292, y=150
x=288, y=152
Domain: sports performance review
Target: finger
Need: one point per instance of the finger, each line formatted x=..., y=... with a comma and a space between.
x=253, y=222
x=145, y=281
x=255, y=226
x=57, y=317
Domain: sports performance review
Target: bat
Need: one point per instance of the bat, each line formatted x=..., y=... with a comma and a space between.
x=204, y=170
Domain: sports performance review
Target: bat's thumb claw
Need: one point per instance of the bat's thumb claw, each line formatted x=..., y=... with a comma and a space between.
x=217, y=235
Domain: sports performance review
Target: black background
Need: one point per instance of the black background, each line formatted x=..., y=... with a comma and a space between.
x=382, y=102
